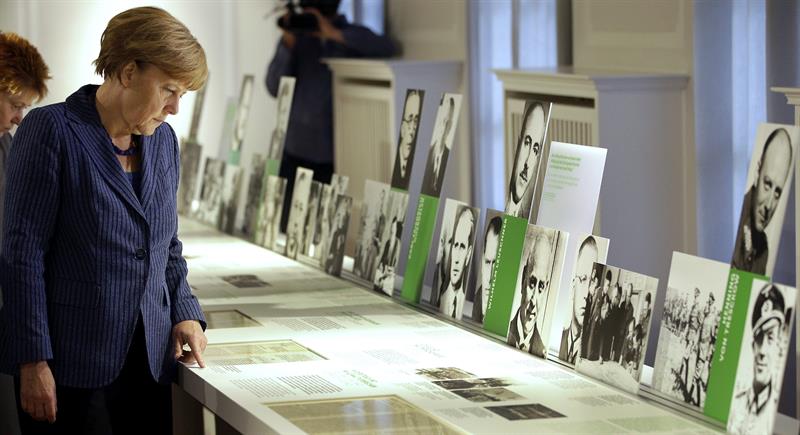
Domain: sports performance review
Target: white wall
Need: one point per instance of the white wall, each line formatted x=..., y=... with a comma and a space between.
x=638, y=35
x=235, y=35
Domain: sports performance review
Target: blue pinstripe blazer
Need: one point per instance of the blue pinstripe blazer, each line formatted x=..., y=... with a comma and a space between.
x=83, y=255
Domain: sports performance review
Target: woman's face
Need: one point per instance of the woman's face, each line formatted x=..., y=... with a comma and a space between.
x=150, y=95
x=12, y=109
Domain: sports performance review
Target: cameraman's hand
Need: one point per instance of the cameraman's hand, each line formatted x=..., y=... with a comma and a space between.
x=289, y=39
x=326, y=29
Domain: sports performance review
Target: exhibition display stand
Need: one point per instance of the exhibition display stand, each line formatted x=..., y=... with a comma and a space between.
x=294, y=350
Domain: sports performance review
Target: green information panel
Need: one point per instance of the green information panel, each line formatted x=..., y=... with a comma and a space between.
x=234, y=157
x=419, y=247
x=273, y=166
x=506, y=268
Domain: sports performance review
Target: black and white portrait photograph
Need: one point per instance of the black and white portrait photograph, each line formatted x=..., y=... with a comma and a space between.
x=407, y=141
x=197, y=112
x=444, y=373
x=255, y=187
x=311, y=216
x=529, y=150
x=762, y=360
x=688, y=331
x=540, y=272
x=244, y=281
x=298, y=211
x=339, y=184
x=270, y=214
x=283, y=110
x=334, y=245
x=481, y=395
x=591, y=249
x=231, y=192
x=442, y=142
x=453, y=260
x=438, y=259
x=329, y=198
x=766, y=194
x=327, y=202
x=242, y=113
x=190, y=165
x=208, y=209
x=615, y=339
x=394, y=214
x=485, y=257
x=531, y=411
x=370, y=229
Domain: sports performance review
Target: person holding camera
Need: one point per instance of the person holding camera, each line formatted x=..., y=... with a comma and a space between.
x=319, y=32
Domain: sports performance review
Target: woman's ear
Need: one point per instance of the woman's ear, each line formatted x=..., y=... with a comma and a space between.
x=127, y=73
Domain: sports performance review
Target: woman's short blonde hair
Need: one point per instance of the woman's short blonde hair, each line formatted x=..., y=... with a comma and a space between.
x=21, y=66
x=151, y=35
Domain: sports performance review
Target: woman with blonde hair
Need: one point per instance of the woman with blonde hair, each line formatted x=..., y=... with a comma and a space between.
x=97, y=304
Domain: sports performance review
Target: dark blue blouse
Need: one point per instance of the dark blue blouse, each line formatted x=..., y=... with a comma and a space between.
x=135, y=178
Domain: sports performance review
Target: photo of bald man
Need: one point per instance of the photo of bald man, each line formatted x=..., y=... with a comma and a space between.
x=764, y=204
x=541, y=258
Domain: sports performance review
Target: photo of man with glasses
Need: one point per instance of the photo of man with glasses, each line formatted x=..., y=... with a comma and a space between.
x=407, y=143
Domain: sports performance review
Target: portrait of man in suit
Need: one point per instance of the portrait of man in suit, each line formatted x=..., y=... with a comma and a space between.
x=297, y=214
x=269, y=221
x=491, y=238
x=229, y=204
x=335, y=246
x=211, y=192
x=387, y=241
x=527, y=157
x=451, y=301
x=284, y=107
x=406, y=145
x=242, y=113
x=311, y=216
x=533, y=285
x=752, y=250
x=440, y=149
x=384, y=273
x=598, y=304
x=571, y=336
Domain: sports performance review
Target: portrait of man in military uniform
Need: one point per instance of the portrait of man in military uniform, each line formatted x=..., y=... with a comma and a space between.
x=761, y=364
x=762, y=207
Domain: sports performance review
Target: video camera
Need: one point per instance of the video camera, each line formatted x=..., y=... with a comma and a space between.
x=298, y=21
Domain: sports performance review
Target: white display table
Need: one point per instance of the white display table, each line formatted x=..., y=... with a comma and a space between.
x=293, y=350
